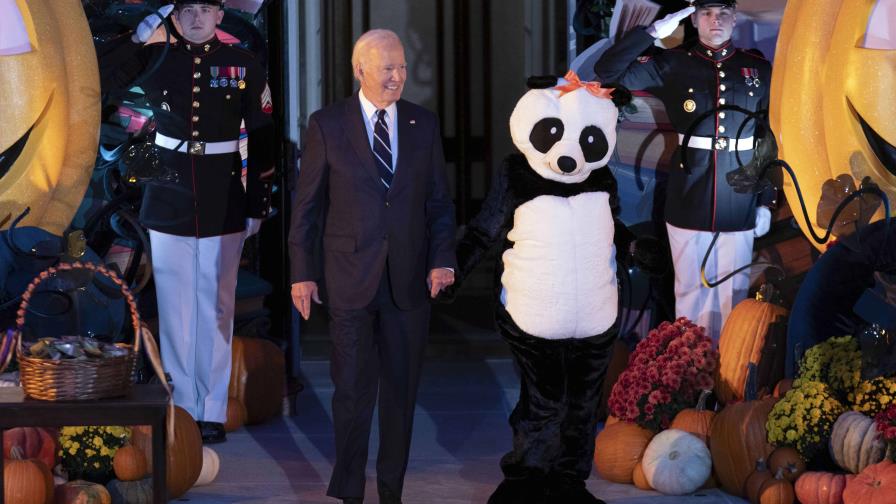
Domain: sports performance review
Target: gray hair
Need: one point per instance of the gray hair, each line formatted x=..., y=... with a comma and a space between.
x=372, y=38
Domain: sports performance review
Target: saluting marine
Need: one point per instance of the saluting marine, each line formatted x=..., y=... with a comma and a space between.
x=693, y=79
x=199, y=218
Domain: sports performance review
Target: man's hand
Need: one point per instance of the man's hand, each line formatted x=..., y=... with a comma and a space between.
x=302, y=294
x=662, y=28
x=150, y=30
x=763, y=221
x=438, y=279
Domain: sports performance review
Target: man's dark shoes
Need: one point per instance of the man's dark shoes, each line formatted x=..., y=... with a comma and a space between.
x=212, y=432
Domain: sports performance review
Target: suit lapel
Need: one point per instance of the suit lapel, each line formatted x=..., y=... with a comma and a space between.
x=356, y=132
x=407, y=140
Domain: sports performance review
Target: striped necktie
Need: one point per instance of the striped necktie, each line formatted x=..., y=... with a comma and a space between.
x=382, y=148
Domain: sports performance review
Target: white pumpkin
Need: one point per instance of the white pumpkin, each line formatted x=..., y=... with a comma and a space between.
x=676, y=462
x=211, y=463
x=855, y=443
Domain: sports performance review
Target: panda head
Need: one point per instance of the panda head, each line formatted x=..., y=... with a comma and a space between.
x=566, y=131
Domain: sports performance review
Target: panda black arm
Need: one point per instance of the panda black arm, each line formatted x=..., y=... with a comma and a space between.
x=487, y=228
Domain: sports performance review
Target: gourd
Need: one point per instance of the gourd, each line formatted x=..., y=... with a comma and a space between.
x=26, y=481
x=821, y=487
x=697, y=421
x=789, y=461
x=855, y=443
x=129, y=463
x=618, y=448
x=211, y=463
x=82, y=492
x=876, y=484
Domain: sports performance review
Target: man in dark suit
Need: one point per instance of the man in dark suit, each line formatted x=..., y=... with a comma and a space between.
x=372, y=186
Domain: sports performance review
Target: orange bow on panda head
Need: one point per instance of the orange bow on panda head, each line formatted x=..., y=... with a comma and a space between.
x=573, y=83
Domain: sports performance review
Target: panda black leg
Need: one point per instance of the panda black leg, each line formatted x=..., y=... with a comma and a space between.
x=586, y=364
x=536, y=420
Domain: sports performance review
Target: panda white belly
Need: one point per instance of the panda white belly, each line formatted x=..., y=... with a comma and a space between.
x=559, y=277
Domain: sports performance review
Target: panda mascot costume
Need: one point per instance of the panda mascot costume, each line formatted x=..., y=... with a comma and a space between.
x=554, y=207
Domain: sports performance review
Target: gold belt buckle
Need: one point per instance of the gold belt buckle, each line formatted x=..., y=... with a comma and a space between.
x=197, y=148
x=721, y=143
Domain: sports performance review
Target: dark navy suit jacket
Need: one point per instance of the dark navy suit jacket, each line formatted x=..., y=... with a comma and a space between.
x=341, y=202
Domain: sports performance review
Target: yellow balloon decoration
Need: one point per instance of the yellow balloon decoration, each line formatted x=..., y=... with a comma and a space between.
x=51, y=94
x=825, y=85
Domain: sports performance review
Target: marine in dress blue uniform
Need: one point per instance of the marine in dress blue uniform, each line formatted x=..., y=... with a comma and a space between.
x=690, y=80
x=202, y=92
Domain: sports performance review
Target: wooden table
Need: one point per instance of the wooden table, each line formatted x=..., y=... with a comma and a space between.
x=146, y=405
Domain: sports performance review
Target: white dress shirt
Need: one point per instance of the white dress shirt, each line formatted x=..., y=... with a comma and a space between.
x=369, y=110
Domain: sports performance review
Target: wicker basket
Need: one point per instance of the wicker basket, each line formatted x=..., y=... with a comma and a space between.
x=71, y=379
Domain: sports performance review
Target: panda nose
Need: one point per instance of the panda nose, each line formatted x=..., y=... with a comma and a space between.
x=566, y=164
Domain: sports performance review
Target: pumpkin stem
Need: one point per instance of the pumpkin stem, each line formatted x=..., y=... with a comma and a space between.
x=16, y=453
x=701, y=402
x=768, y=293
x=761, y=465
x=780, y=474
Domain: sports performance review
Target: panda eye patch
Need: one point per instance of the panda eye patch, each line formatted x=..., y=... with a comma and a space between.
x=593, y=143
x=546, y=133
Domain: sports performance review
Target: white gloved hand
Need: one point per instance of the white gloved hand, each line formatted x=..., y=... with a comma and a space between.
x=252, y=226
x=763, y=221
x=662, y=28
x=151, y=23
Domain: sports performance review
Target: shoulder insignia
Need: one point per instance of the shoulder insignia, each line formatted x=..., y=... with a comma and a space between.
x=644, y=59
x=266, y=105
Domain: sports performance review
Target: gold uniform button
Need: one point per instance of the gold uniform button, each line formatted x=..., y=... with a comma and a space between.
x=721, y=115
x=690, y=90
x=195, y=118
x=197, y=60
x=721, y=74
x=721, y=101
x=719, y=65
x=709, y=53
x=721, y=129
x=197, y=75
x=195, y=133
x=195, y=89
x=689, y=106
x=751, y=93
x=195, y=104
x=722, y=87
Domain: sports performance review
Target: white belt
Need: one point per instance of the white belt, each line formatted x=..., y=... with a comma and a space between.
x=197, y=147
x=718, y=143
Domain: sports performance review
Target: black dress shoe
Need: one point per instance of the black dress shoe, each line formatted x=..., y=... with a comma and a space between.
x=212, y=432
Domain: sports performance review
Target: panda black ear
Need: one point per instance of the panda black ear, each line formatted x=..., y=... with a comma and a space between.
x=621, y=95
x=541, y=81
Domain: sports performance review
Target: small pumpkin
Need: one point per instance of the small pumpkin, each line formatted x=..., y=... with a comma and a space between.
x=617, y=450
x=789, y=461
x=236, y=414
x=130, y=492
x=755, y=332
x=26, y=481
x=776, y=490
x=755, y=480
x=876, y=484
x=35, y=442
x=639, y=479
x=821, y=487
x=258, y=377
x=82, y=492
x=211, y=463
x=184, y=452
x=738, y=438
x=782, y=387
x=855, y=443
x=676, y=462
x=129, y=463
x=697, y=421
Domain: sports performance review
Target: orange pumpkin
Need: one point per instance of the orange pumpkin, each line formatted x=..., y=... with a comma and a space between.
x=737, y=440
x=236, y=414
x=26, y=481
x=776, y=490
x=35, y=442
x=129, y=463
x=610, y=421
x=618, y=449
x=697, y=421
x=755, y=480
x=258, y=378
x=821, y=487
x=876, y=484
x=789, y=461
x=782, y=387
x=82, y=492
x=755, y=332
x=639, y=479
x=184, y=452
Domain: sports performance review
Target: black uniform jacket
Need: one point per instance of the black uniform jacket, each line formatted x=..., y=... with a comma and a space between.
x=203, y=92
x=692, y=79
